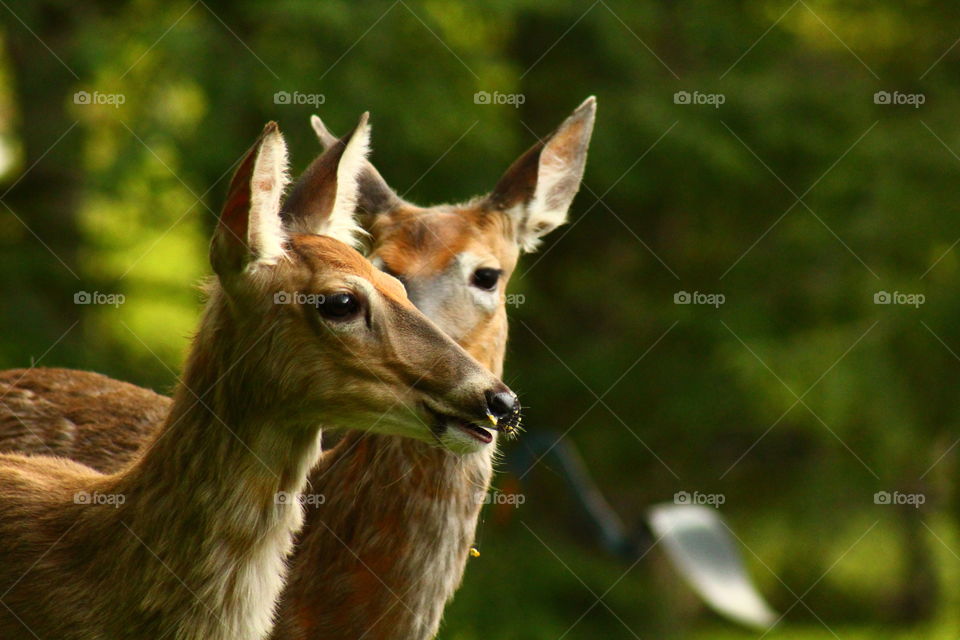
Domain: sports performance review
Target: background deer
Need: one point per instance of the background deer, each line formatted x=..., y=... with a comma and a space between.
x=399, y=517
x=189, y=540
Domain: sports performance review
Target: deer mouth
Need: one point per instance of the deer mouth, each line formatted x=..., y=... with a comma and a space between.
x=475, y=431
x=443, y=422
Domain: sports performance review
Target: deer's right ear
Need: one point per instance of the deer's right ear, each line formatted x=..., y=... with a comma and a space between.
x=537, y=190
x=324, y=198
x=249, y=230
x=374, y=195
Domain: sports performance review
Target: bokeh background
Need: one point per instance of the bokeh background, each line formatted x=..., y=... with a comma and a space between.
x=798, y=199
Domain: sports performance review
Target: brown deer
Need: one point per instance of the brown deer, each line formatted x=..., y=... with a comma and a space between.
x=188, y=539
x=399, y=517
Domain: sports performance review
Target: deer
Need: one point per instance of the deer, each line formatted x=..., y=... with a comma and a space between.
x=400, y=518
x=188, y=537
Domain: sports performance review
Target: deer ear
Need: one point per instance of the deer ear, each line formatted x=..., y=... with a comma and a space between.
x=249, y=230
x=374, y=195
x=538, y=188
x=326, y=138
x=323, y=200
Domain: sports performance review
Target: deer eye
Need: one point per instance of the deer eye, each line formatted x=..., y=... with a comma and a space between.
x=338, y=306
x=486, y=278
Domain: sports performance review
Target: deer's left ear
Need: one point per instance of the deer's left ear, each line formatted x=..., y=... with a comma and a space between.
x=537, y=190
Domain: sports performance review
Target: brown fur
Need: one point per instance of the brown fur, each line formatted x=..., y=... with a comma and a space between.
x=384, y=554
x=62, y=412
x=192, y=544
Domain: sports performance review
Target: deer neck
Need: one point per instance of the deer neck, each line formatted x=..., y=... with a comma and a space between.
x=203, y=498
x=387, y=548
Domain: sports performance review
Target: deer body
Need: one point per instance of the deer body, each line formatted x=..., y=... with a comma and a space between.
x=419, y=504
x=92, y=419
x=396, y=565
x=191, y=541
x=136, y=582
x=387, y=550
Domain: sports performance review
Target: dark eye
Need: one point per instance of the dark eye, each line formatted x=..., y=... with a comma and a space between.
x=486, y=278
x=338, y=306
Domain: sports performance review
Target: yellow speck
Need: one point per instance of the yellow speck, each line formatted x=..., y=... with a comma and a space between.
x=474, y=552
x=492, y=418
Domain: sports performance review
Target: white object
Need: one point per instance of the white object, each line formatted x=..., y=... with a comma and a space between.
x=701, y=547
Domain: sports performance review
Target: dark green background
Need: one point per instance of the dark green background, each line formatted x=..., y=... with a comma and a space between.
x=676, y=197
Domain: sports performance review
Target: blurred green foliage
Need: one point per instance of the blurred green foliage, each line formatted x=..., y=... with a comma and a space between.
x=797, y=399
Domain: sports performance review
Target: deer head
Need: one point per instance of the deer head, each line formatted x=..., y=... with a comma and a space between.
x=330, y=334
x=456, y=260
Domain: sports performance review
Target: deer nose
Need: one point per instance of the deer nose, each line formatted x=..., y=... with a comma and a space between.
x=502, y=404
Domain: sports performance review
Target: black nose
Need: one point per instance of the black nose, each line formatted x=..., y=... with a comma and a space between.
x=502, y=404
